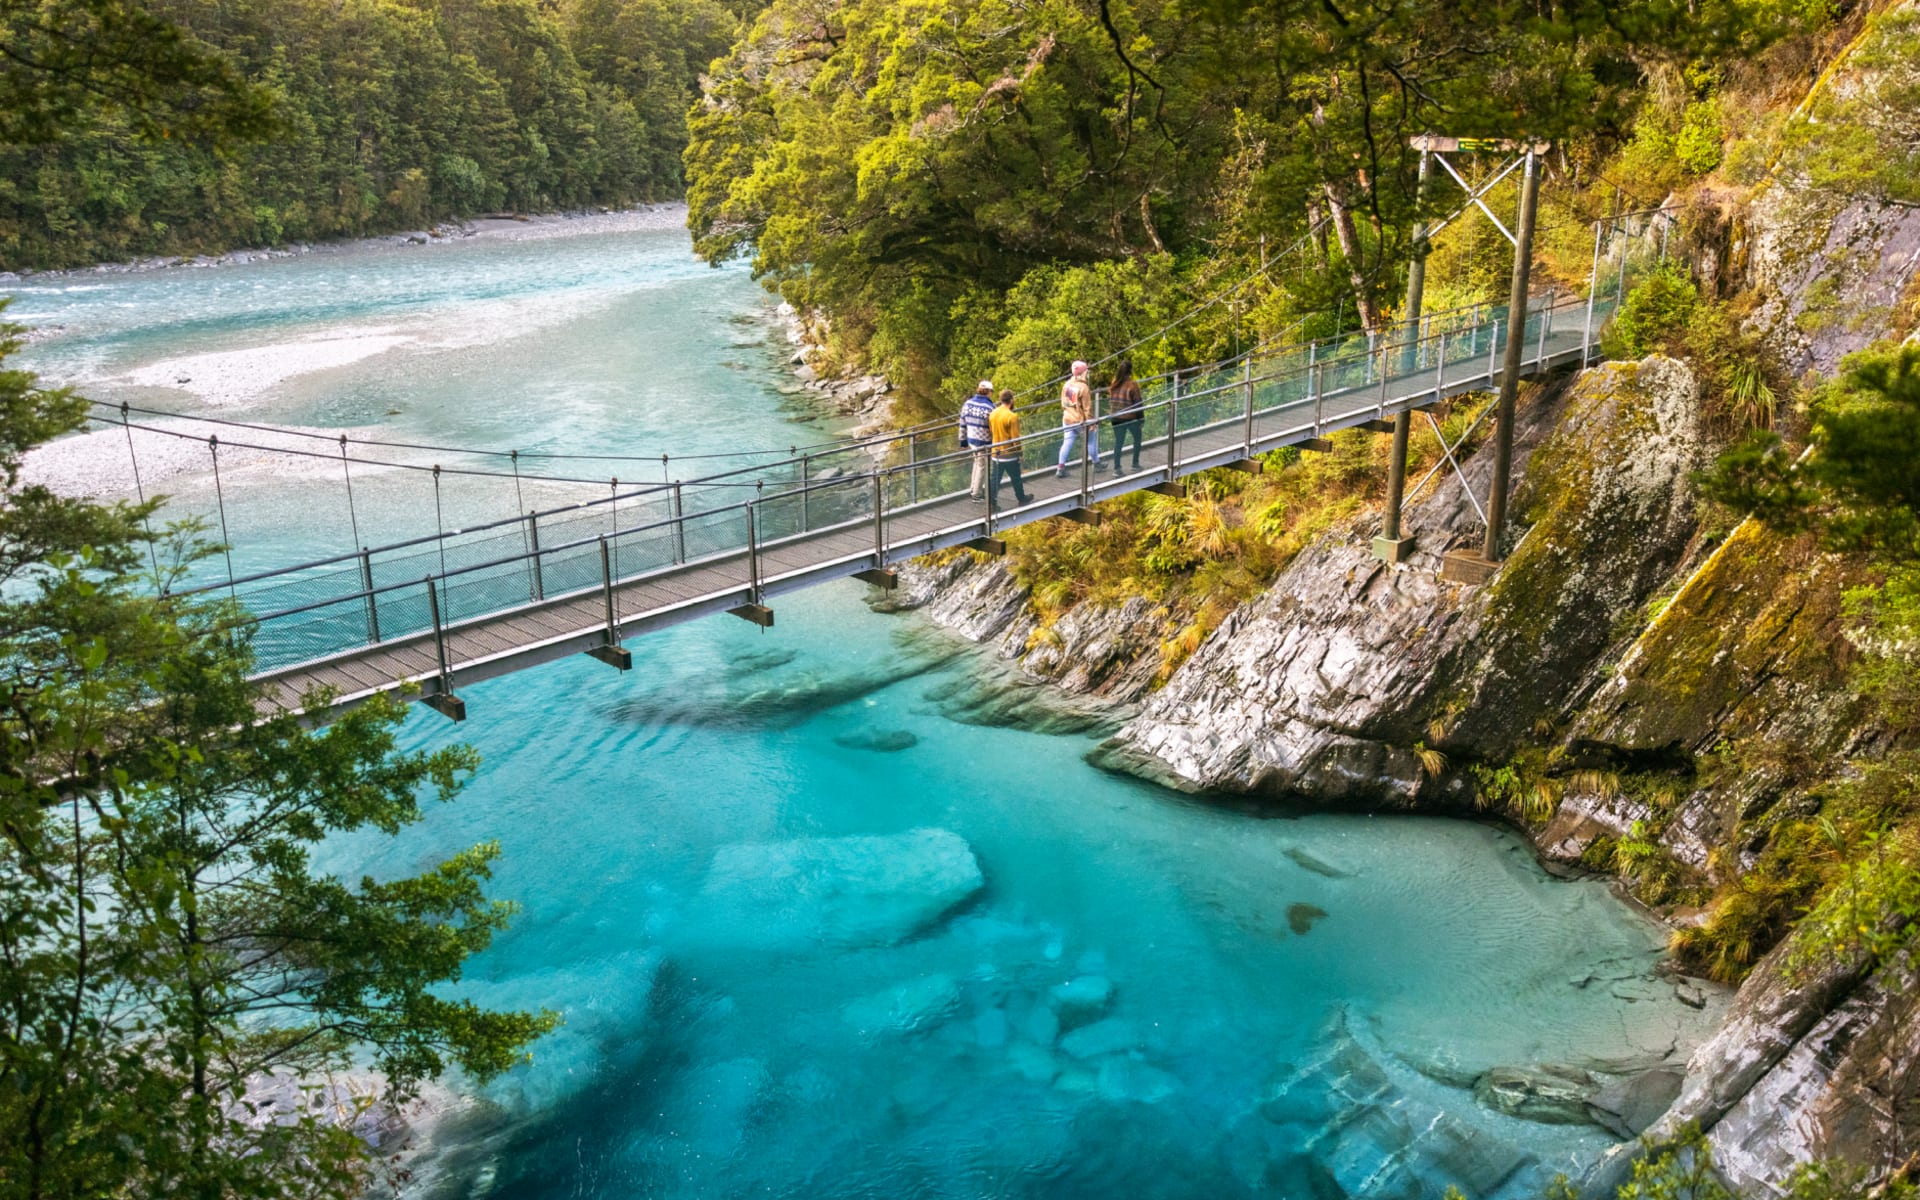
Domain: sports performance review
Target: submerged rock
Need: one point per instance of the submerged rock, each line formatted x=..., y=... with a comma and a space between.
x=1127, y=1080
x=849, y=891
x=1362, y=1132
x=1318, y=866
x=1081, y=1000
x=1301, y=917
x=907, y=1007
x=1114, y=1035
x=1631, y=1105
x=880, y=741
x=1551, y=1095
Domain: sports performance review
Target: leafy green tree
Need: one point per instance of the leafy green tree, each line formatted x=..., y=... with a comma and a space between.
x=171, y=954
x=1858, y=483
x=63, y=59
x=901, y=166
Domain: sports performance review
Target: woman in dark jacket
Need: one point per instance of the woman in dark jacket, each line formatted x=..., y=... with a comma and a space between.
x=1127, y=410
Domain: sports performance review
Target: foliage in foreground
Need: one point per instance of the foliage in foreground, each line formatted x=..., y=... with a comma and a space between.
x=169, y=944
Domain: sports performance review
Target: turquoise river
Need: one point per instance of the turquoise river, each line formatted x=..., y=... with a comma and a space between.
x=813, y=932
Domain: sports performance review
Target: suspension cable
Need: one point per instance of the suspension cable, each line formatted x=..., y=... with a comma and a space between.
x=353, y=518
x=220, y=497
x=140, y=494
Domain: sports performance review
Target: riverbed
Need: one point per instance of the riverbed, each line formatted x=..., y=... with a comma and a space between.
x=813, y=932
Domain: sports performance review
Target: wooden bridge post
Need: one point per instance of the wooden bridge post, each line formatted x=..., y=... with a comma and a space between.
x=1546, y=326
x=879, y=516
x=913, y=469
x=444, y=701
x=366, y=584
x=806, y=488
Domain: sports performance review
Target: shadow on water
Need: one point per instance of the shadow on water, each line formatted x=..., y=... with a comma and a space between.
x=755, y=692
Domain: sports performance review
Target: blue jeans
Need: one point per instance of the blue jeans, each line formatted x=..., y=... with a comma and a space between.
x=1009, y=467
x=1122, y=430
x=1072, y=437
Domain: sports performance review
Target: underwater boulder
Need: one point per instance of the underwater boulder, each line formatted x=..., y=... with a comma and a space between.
x=836, y=892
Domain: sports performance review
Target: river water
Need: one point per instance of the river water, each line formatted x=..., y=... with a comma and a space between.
x=815, y=930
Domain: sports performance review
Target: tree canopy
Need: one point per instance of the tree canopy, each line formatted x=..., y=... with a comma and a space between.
x=377, y=114
x=901, y=165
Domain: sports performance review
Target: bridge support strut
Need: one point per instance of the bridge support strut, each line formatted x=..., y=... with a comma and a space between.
x=442, y=701
x=1392, y=546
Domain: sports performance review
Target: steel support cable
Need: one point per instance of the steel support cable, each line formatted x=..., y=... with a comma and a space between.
x=401, y=466
x=353, y=518
x=387, y=443
x=140, y=494
x=439, y=525
x=220, y=497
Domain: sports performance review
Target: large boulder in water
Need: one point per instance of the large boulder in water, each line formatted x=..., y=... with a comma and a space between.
x=839, y=892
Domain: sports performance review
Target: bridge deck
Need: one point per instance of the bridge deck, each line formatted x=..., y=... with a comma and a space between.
x=504, y=616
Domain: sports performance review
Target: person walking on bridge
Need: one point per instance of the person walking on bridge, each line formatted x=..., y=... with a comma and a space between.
x=1128, y=411
x=1006, y=450
x=1076, y=418
x=976, y=433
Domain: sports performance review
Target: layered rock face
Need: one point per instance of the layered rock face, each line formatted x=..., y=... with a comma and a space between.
x=1323, y=687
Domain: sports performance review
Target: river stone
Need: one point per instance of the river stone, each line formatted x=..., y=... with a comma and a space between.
x=882, y=741
x=1550, y=1095
x=1111, y=1036
x=1301, y=917
x=1033, y=1062
x=990, y=1028
x=847, y=891
x=905, y=1008
x=1123, y=1080
x=1367, y=1133
x=1629, y=1106
x=1040, y=1025
x=1081, y=1000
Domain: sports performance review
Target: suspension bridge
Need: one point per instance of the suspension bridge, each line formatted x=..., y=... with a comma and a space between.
x=445, y=611
x=441, y=612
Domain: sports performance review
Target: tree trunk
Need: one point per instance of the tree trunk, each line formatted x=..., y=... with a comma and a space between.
x=1350, y=247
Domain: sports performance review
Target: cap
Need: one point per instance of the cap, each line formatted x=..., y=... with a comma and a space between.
x=1079, y=367
x=986, y=385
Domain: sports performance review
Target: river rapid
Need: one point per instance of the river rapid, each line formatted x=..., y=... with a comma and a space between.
x=813, y=932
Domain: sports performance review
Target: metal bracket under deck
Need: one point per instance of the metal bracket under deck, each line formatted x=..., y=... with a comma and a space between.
x=759, y=614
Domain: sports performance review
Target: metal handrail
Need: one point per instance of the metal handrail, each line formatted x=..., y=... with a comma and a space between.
x=878, y=476
x=891, y=438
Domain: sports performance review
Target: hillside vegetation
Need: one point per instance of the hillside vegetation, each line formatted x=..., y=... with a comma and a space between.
x=361, y=117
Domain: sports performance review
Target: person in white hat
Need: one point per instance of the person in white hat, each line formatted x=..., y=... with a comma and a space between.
x=976, y=433
x=1076, y=418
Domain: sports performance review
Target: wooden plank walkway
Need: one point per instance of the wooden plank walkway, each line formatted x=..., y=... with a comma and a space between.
x=512, y=636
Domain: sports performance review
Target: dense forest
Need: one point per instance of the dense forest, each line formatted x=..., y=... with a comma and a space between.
x=968, y=189
x=368, y=116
